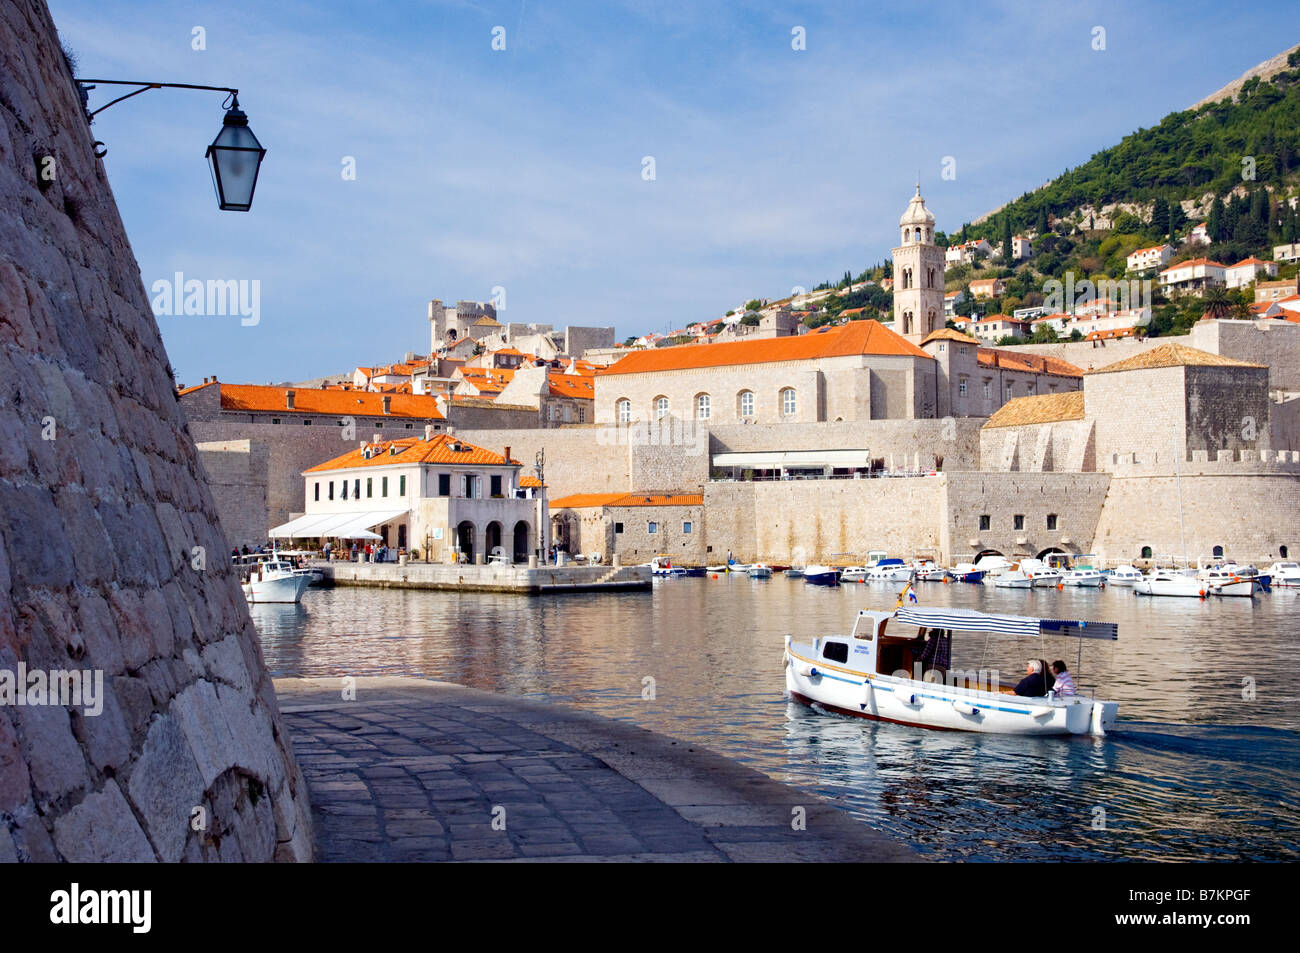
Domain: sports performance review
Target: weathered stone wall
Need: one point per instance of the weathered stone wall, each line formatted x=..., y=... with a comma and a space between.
x=105, y=523
x=1089, y=355
x=236, y=472
x=578, y=459
x=1249, y=514
x=1066, y=445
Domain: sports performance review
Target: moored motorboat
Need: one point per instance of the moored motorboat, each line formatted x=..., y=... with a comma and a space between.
x=854, y=574
x=759, y=571
x=821, y=575
x=889, y=570
x=274, y=580
x=874, y=673
x=1168, y=582
x=794, y=572
x=1088, y=578
x=1124, y=575
x=1285, y=574
x=1223, y=581
x=967, y=572
x=1013, y=579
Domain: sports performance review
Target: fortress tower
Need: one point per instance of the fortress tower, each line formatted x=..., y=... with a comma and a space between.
x=918, y=274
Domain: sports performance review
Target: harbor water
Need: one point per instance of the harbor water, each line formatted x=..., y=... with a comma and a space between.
x=1204, y=763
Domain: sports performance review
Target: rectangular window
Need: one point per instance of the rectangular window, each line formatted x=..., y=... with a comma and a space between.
x=317, y=491
x=1019, y=521
x=496, y=485
x=345, y=489
x=356, y=489
x=686, y=527
x=988, y=391
x=370, y=487
x=331, y=489
x=401, y=485
x=275, y=420
x=618, y=528
x=444, y=484
x=307, y=423
x=1051, y=521
x=379, y=425
x=961, y=387
x=383, y=486
x=652, y=528
x=984, y=521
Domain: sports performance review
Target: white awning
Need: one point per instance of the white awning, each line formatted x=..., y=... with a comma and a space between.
x=776, y=459
x=354, y=525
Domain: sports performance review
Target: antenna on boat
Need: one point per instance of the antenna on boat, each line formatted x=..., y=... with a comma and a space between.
x=1178, y=480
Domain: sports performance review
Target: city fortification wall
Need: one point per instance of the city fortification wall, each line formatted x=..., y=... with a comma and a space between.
x=166, y=742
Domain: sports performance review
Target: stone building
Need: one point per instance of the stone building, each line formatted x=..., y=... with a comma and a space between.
x=634, y=526
x=111, y=556
x=974, y=381
x=295, y=428
x=468, y=319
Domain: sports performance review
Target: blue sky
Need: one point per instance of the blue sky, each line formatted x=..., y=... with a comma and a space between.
x=522, y=168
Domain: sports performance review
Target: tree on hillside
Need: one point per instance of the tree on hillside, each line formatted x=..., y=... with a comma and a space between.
x=1160, y=217
x=1006, y=238
x=1041, y=226
x=1177, y=218
x=1214, y=223
x=1217, y=302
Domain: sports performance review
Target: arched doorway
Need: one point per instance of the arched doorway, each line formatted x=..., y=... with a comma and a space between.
x=1146, y=552
x=521, y=542
x=986, y=552
x=465, y=541
x=493, y=539
x=1217, y=553
x=401, y=536
x=1281, y=551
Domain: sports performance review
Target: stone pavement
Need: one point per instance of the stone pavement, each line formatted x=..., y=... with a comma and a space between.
x=415, y=770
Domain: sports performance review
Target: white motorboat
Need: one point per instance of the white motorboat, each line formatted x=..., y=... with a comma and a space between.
x=662, y=565
x=759, y=571
x=967, y=572
x=274, y=580
x=1013, y=579
x=928, y=571
x=1223, y=581
x=994, y=565
x=1043, y=575
x=794, y=572
x=889, y=570
x=1285, y=574
x=1125, y=575
x=854, y=574
x=1263, y=580
x=1169, y=582
x=873, y=673
x=1089, y=578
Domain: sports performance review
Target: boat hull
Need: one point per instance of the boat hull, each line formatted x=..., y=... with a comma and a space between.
x=829, y=577
x=281, y=589
x=941, y=707
x=1193, y=589
x=1245, y=587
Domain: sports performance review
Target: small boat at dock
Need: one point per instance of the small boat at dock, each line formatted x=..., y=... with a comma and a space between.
x=821, y=575
x=270, y=579
x=759, y=571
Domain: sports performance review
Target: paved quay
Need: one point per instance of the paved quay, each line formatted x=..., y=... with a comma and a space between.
x=415, y=770
x=469, y=577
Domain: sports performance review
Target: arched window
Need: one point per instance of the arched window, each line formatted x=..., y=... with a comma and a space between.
x=1218, y=552
x=661, y=408
x=929, y=323
x=1146, y=552
x=624, y=409
x=703, y=406
x=747, y=403
x=788, y=403
x=918, y=233
x=1281, y=551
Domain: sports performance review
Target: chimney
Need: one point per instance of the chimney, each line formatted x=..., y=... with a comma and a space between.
x=428, y=431
x=507, y=454
x=387, y=404
x=378, y=438
x=288, y=399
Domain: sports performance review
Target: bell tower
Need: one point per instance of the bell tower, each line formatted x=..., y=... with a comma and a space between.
x=918, y=274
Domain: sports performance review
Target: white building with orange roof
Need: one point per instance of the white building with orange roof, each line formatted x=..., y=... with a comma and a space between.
x=1199, y=235
x=448, y=499
x=1192, y=276
x=1247, y=271
x=987, y=288
x=1152, y=258
x=1276, y=290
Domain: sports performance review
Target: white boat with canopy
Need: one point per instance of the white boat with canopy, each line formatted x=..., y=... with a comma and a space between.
x=267, y=578
x=876, y=672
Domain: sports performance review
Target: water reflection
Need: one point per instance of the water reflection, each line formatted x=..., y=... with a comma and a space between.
x=1195, y=769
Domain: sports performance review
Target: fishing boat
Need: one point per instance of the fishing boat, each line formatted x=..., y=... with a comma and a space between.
x=759, y=571
x=272, y=580
x=1169, y=582
x=1263, y=580
x=662, y=565
x=1124, y=575
x=1284, y=574
x=821, y=575
x=873, y=673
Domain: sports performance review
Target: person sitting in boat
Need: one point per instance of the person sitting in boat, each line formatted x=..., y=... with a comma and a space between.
x=1037, y=681
x=1064, y=680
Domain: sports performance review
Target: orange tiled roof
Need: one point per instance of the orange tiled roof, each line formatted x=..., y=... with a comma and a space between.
x=856, y=337
x=1252, y=260
x=258, y=397
x=1193, y=261
x=582, y=500
x=1038, y=363
x=531, y=481
x=571, y=385
x=948, y=334
x=437, y=450
x=1037, y=409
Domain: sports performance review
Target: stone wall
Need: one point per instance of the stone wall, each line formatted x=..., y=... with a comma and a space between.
x=578, y=459
x=956, y=440
x=111, y=558
x=1249, y=514
x=1066, y=445
x=236, y=472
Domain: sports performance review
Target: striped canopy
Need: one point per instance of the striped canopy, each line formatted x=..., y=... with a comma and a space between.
x=969, y=620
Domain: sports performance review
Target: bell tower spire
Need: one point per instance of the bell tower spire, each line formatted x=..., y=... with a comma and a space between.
x=918, y=273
